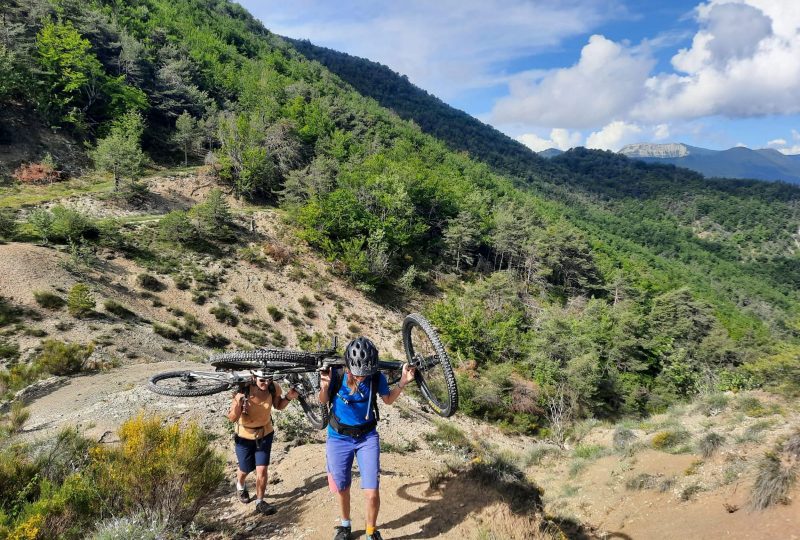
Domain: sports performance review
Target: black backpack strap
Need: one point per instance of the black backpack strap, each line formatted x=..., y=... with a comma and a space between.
x=375, y=381
x=336, y=384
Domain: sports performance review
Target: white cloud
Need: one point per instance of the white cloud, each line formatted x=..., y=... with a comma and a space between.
x=783, y=146
x=742, y=63
x=601, y=85
x=445, y=46
x=614, y=136
x=661, y=132
x=559, y=138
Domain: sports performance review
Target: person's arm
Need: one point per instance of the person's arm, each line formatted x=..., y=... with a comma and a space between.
x=407, y=377
x=282, y=401
x=324, y=385
x=236, y=407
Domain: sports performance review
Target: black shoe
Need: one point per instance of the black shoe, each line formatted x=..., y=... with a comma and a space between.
x=374, y=536
x=265, y=508
x=342, y=533
x=243, y=494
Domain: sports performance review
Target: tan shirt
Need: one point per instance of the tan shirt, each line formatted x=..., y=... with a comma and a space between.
x=257, y=423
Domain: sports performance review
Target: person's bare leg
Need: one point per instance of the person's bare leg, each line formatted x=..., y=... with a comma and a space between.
x=241, y=476
x=344, y=503
x=373, y=497
x=261, y=481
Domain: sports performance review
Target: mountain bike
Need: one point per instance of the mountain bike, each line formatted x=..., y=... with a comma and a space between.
x=300, y=370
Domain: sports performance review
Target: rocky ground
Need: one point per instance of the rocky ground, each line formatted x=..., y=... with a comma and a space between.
x=636, y=492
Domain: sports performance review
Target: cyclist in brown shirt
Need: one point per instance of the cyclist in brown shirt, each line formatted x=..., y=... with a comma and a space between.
x=253, y=436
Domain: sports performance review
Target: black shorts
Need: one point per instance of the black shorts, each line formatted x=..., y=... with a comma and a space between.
x=252, y=453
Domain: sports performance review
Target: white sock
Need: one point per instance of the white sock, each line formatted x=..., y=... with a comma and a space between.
x=259, y=500
x=345, y=522
x=239, y=486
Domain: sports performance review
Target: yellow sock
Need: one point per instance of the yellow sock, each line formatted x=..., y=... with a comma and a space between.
x=371, y=530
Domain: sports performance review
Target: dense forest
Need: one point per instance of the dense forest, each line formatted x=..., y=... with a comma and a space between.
x=623, y=286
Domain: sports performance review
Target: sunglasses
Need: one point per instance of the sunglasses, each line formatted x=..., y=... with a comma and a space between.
x=259, y=379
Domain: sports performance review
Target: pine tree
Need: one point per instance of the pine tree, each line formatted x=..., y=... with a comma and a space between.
x=186, y=134
x=120, y=153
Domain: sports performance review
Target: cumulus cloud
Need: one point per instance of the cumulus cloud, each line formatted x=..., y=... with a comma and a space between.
x=446, y=46
x=604, y=82
x=785, y=147
x=614, y=136
x=559, y=138
x=742, y=62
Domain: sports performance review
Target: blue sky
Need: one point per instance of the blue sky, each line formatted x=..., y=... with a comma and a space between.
x=597, y=73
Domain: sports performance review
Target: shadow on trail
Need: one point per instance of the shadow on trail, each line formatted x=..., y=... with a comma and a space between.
x=520, y=514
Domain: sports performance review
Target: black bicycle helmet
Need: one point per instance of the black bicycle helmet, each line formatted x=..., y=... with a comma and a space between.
x=361, y=356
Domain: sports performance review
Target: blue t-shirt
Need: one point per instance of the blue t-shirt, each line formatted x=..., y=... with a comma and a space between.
x=354, y=409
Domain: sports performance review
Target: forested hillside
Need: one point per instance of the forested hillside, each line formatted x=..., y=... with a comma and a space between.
x=621, y=285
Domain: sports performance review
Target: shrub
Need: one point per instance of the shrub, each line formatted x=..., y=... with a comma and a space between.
x=17, y=416
x=588, y=451
x=61, y=358
x=690, y=491
x=305, y=302
x=275, y=313
x=49, y=300
x=710, y=443
x=792, y=445
x=36, y=173
x=80, y=301
x=8, y=349
x=70, y=225
x=642, y=481
x=150, y=282
x=140, y=526
x=167, y=331
x=448, y=437
x=8, y=224
x=538, y=453
x=668, y=440
x=224, y=314
x=115, y=308
x=177, y=228
x=42, y=223
x=712, y=405
x=160, y=468
x=622, y=438
x=774, y=479
x=278, y=253
x=182, y=282
x=241, y=305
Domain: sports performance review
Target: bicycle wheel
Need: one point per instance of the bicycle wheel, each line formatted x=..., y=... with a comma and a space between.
x=265, y=358
x=185, y=384
x=316, y=413
x=435, y=376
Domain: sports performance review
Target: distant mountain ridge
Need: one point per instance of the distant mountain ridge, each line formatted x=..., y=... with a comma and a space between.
x=737, y=162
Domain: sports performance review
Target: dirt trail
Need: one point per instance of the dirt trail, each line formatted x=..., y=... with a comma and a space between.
x=99, y=403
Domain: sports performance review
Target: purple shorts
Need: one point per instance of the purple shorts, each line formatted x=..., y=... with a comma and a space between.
x=340, y=452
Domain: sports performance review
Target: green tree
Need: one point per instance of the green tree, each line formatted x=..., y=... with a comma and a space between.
x=186, y=134
x=80, y=301
x=461, y=238
x=68, y=67
x=214, y=215
x=120, y=153
x=8, y=224
x=42, y=222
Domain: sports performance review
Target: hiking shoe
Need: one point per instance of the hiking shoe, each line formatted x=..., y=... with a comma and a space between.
x=244, y=495
x=342, y=533
x=374, y=536
x=265, y=508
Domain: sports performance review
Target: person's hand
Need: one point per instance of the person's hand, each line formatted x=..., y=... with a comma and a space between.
x=292, y=394
x=325, y=379
x=239, y=398
x=408, y=374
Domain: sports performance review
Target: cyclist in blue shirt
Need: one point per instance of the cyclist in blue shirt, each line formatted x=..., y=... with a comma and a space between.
x=351, y=432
